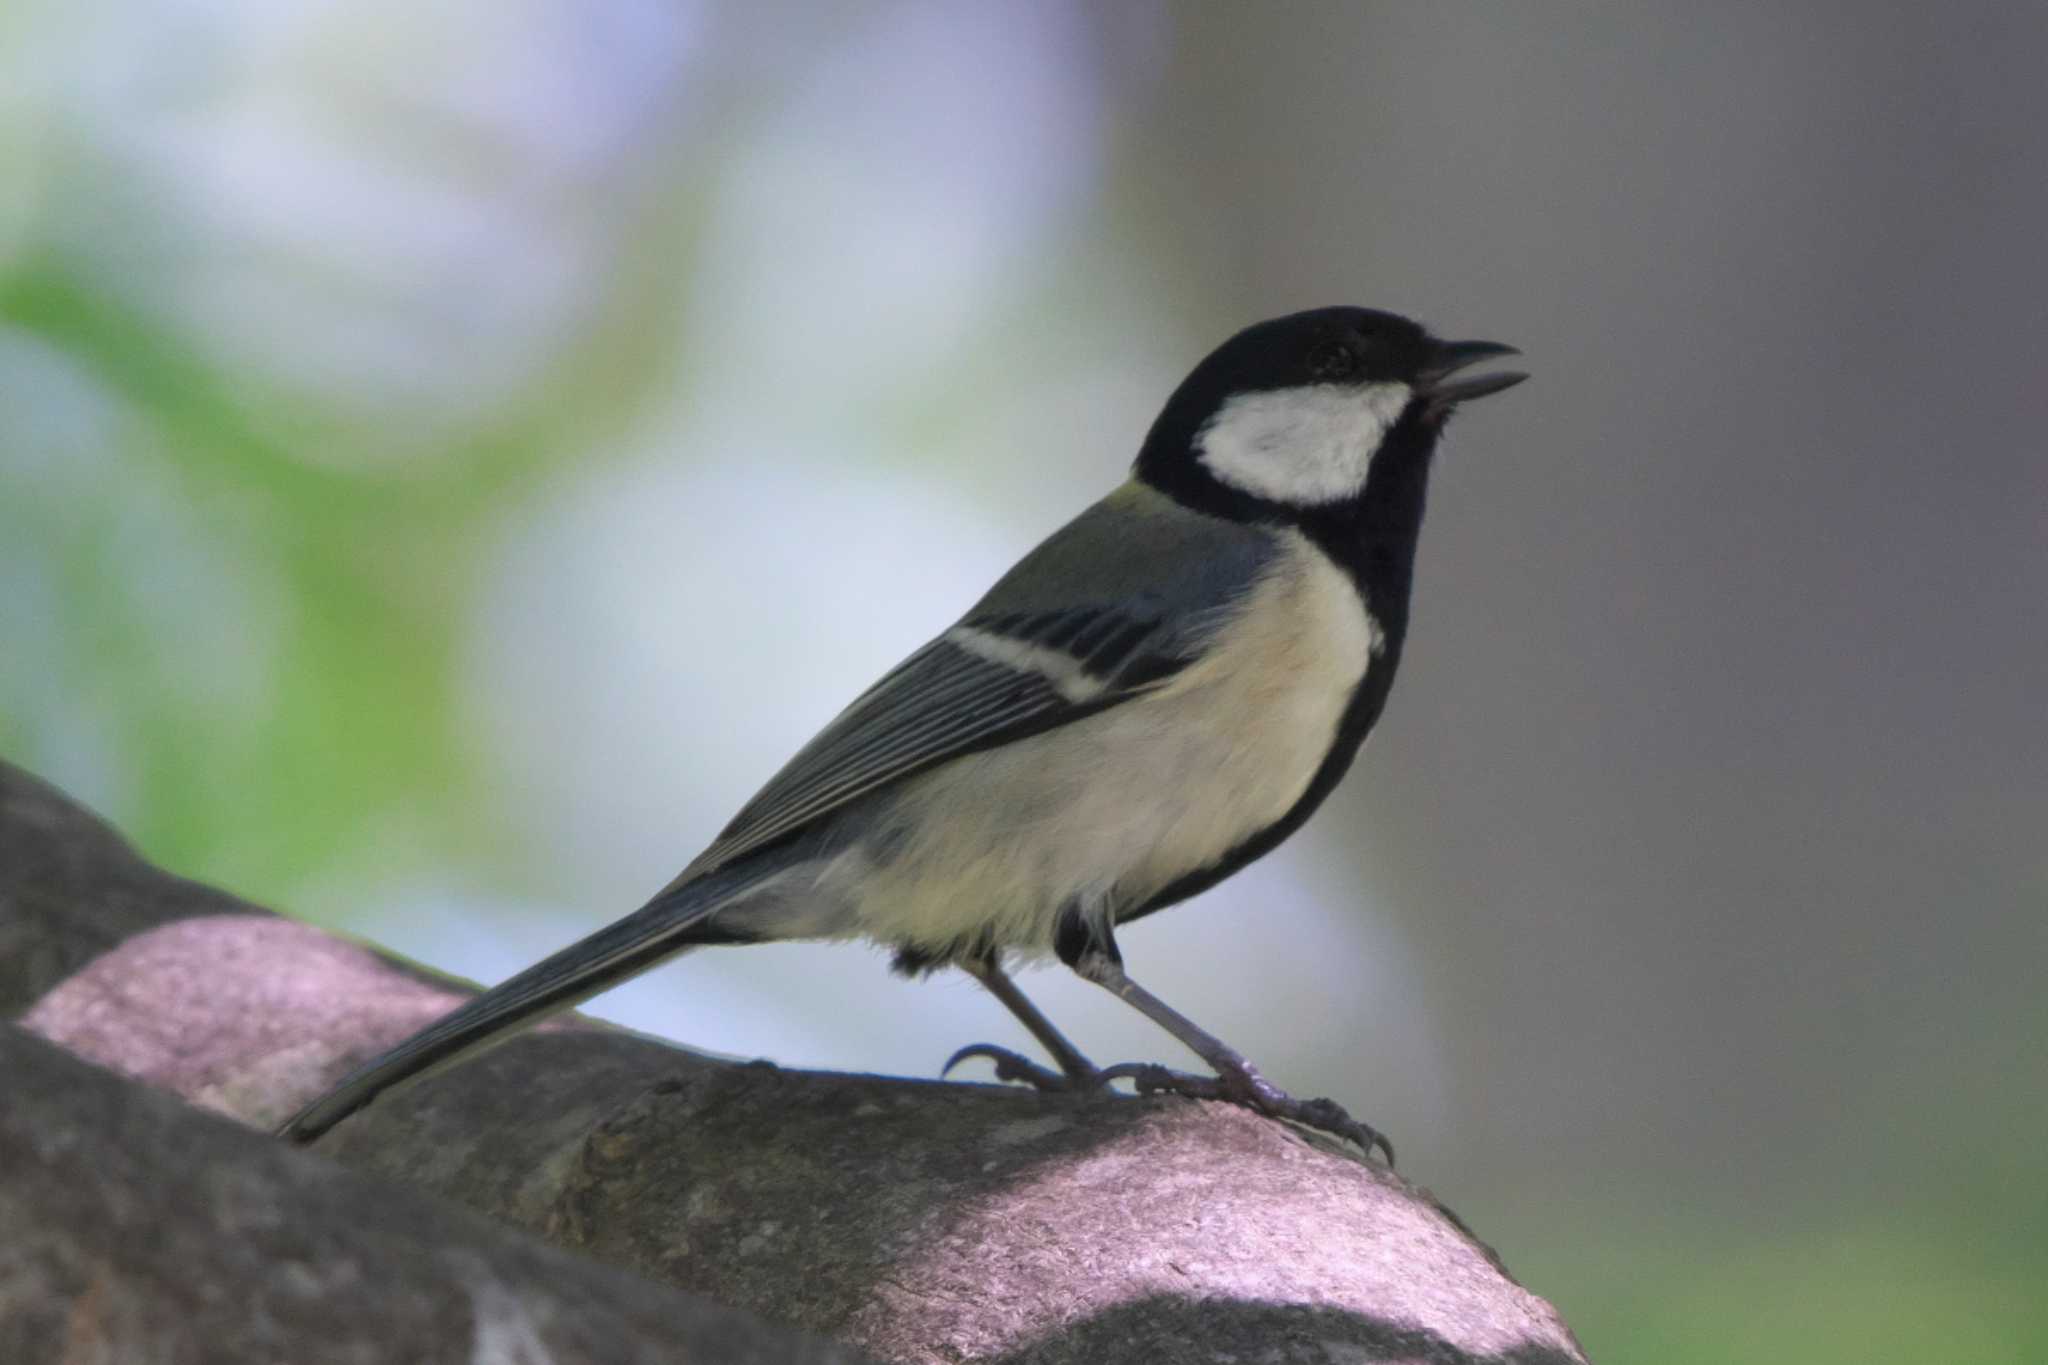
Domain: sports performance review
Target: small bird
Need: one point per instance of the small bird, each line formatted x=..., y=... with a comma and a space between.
x=1159, y=693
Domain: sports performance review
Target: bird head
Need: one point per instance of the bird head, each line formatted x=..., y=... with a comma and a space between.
x=1290, y=415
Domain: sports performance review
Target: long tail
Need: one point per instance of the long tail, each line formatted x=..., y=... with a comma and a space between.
x=668, y=924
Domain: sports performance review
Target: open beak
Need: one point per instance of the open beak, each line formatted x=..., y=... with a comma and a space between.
x=1444, y=393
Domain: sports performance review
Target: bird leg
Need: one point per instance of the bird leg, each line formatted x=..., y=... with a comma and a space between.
x=1076, y=1071
x=1236, y=1079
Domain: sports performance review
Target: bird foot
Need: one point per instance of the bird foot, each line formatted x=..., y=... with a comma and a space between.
x=1240, y=1085
x=1243, y=1085
x=1015, y=1066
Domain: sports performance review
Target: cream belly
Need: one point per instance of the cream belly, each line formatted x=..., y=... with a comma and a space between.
x=1106, y=811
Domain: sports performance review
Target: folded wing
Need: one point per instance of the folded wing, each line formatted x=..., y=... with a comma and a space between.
x=1114, y=603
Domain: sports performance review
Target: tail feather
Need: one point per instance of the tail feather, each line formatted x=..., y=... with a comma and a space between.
x=670, y=923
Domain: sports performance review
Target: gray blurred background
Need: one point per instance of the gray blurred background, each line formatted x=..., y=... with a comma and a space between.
x=454, y=452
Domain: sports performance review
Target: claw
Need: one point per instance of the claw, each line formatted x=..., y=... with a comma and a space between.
x=1148, y=1078
x=1252, y=1091
x=1243, y=1087
x=1329, y=1116
x=1010, y=1066
x=988, y=1050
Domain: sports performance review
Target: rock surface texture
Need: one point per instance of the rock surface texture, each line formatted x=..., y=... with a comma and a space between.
x=912, y=1220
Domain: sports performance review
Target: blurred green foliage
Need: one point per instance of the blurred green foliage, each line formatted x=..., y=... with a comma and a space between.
x=360, y=719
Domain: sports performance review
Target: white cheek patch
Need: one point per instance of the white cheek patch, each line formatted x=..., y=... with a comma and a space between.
x=1304, y=446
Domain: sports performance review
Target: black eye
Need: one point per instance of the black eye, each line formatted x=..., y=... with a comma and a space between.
x=1330, y=361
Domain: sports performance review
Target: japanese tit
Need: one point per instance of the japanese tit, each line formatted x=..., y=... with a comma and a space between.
x=1159, y=693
